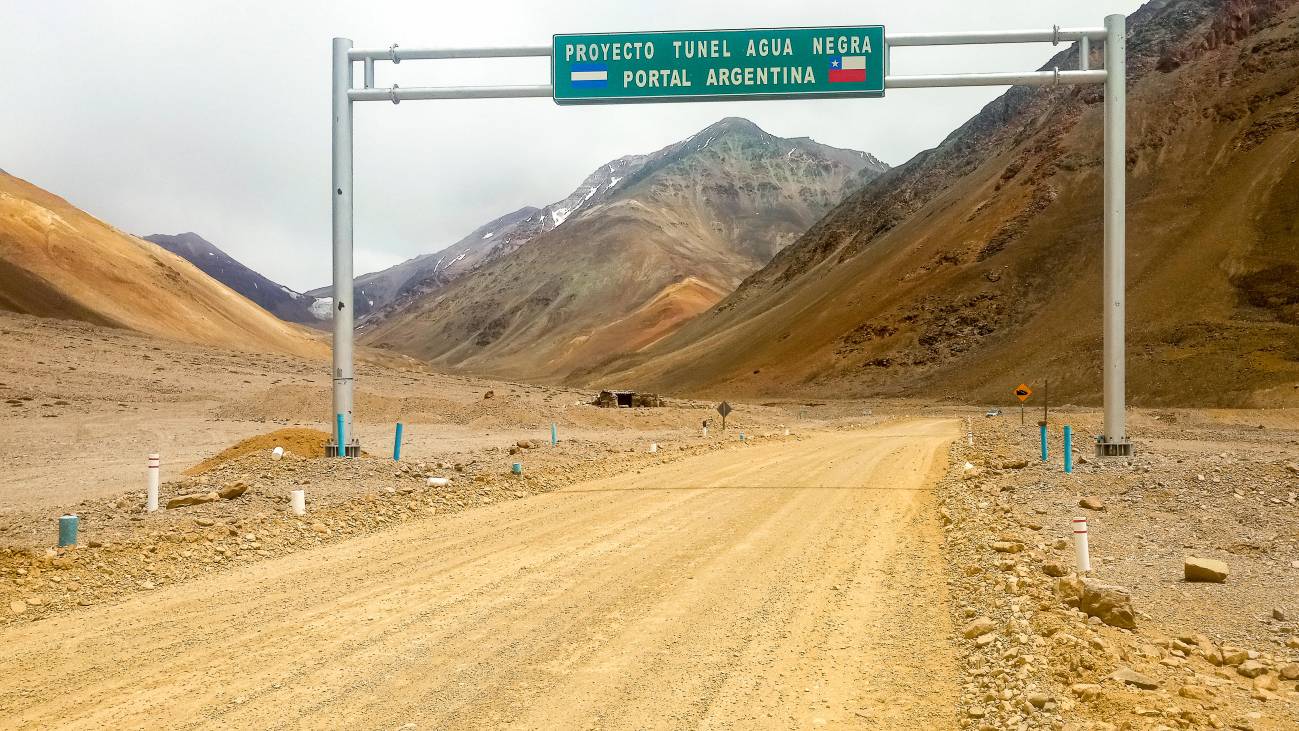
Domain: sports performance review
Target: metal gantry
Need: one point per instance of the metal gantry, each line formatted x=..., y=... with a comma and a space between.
x=1114, y=441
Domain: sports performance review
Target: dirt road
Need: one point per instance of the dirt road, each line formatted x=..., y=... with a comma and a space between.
x=790, y=585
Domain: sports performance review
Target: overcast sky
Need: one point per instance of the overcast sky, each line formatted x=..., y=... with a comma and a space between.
x=162, y=116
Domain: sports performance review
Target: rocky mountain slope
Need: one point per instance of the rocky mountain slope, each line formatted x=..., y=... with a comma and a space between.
x=378, y=290
x=644, y=244
x=977, y=264
x=274, y=297
x=57, y=261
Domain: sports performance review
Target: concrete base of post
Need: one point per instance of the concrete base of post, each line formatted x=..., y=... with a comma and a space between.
x=1113, y=449
x=298, y=501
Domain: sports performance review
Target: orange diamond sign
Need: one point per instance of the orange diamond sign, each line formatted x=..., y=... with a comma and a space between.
x=1023, y=392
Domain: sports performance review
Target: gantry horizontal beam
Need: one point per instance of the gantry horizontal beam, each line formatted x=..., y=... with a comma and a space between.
x=1026, y=78
x=1054, y=35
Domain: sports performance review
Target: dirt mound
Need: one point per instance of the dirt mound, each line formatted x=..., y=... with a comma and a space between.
x=297, y=440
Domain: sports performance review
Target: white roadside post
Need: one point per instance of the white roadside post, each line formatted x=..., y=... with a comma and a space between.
x=155, y=466
x=298, y=501
x=1081, y=553
x=345, y=441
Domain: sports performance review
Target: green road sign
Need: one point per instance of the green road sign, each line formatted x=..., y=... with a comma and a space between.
x=713, y=65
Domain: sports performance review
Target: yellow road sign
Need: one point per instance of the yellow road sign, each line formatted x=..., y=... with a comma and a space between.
x=1023, y=392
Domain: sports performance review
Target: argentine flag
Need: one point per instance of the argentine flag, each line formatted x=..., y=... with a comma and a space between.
x=589, y=75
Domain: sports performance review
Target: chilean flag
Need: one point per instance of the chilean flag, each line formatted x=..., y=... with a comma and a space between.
x=847, y=69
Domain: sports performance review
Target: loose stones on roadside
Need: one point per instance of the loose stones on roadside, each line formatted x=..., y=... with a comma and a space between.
x=1204, y=569
x=1108, y=603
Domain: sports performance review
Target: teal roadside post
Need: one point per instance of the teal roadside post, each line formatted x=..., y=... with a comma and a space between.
x=68, y=525
x=554, y=434
x=1068, y=448
x=396, y=444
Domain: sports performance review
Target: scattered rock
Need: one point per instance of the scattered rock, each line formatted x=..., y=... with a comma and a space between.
x=489, y=394
x=1091, y=502
x=1205, y=569
x=1289, y=671
x=1266, y=682
x=1129, y=676
x=233, y=490
x=204, y=522
x=1232, y=656
x=197, y=498
x=1086, y=691
x=1251, y=669
x=1280, y=615
x=1054, y=568
x=1195, y=692
x=320, y=528
x=17, y=607
x=978, y=628
x=1007, y=546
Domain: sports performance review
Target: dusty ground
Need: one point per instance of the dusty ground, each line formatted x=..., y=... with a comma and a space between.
x=787, y=581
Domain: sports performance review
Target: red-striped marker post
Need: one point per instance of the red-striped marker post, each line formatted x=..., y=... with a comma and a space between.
x=1082, y=557
x=155, y=467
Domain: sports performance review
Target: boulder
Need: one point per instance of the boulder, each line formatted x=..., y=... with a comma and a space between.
x=1091, y=502
x=1289, y=671
x=1232, y=656
x=1204, y=569
x=1111, y=604
x=1128, y=676
x=196, y=498
x=233, y=490
x=1267, y=682
x=1251, y=669
x=1070, y=590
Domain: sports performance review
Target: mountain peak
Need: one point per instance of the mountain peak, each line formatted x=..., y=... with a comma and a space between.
x=734, y=125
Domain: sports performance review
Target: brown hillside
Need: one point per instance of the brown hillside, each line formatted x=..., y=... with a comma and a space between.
x=58, y=261
x=977, y=264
